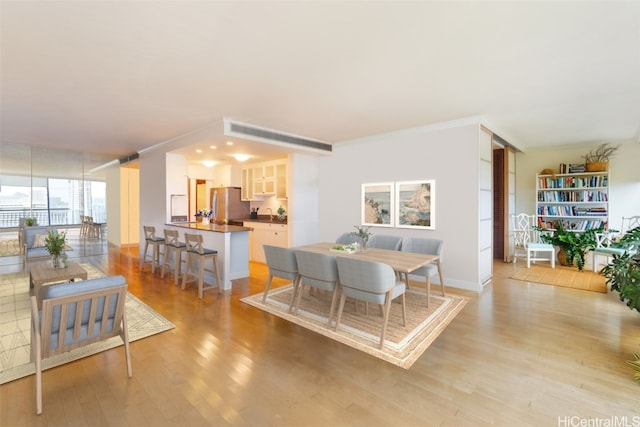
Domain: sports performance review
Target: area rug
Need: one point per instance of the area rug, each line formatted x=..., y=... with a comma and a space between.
x=15, y=324
x=403, y=345
x=566, y=277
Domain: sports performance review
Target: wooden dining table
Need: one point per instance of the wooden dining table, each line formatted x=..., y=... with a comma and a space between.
x=401, y=262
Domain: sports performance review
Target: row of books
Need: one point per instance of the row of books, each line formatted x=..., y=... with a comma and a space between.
x=572, y=168
x=574, y=225
x=592, y=181
x=573, y=196
x=567, y=210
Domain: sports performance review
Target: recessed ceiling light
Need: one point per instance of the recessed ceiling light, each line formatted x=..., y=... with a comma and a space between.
x=213, y=147
x=229, y=142
x=209, y=163
x=241, y=157
x=198, y=151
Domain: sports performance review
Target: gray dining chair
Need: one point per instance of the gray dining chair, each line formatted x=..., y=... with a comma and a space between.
x=318, y=271
x=384, y=241
x=425, y=245
x=371, y=282
x=282, y=264
x=347, y=239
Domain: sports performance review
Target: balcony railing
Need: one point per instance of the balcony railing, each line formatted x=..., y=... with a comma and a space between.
x=10, y=218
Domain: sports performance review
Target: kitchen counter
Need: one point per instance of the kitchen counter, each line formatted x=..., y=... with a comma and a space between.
x=232, y=244
x=210, y=227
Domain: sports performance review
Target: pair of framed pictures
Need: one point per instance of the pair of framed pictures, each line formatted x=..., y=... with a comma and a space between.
x=406, y=204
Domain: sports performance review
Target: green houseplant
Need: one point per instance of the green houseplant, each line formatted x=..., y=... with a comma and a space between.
x=572, y=243
x=623, y=272
x=54, y=242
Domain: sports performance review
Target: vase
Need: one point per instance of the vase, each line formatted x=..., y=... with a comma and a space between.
x=55, y=261
x=363, y=245
x=205, y=220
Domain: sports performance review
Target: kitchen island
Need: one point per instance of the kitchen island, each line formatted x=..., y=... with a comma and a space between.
x=232, y=244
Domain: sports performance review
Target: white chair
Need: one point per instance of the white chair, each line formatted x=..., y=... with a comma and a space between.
x=282, y=263
x=347, y=239
x=527, y=242
x=607, y=239
x=371, y=282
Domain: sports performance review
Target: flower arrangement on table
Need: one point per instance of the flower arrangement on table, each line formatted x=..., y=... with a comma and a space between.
x=362, y=233
x=204, y=213
x=55, y=244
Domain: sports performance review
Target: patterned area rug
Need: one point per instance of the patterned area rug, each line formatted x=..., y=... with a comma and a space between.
x=566, y=277
x=403, y=345
x=15, y=324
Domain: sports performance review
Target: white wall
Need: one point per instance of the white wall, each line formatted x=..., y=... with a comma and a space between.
x=624, y=177
x=155, y=200
x=447, y=154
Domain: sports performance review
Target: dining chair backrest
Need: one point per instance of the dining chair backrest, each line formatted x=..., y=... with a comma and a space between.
x=281, y=262
x=347, y=239
x=317, y=270
x=424, y=245
x=149, y=232
x=384, y=241
x=366, y=280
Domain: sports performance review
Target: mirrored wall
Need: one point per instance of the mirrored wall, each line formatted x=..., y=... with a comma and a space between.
x=54, y=186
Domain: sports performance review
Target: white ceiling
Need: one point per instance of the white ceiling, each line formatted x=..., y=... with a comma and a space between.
x=116, y=77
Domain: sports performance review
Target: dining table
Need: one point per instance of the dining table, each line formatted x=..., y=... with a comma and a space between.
x=402, y=262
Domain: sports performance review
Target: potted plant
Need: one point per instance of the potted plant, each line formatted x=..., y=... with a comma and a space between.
x=281, y=213
x=30, y=221
x=623, y=272
x=363, y=234
x=54, y=242
x=597, y=160
x=572, y=245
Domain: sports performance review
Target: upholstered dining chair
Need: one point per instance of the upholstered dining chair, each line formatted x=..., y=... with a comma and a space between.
x=318, y=271
x=150, y=239
x=371, y=282
x=194, y=267
x=347, y=239
x=282, y=264
x=384, y=241
x=429, y=246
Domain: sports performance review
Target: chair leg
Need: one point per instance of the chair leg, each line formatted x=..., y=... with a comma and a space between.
x=167, y=252
x=177, y=266
x=217, y=273
x=333, y=304
x=441, y=278
x=385, y=319
x=144, y=254
x=266, y=290
x=340, y=308
x=296, y=289
x=187, y=265
x=200, y=277
x=125, y=338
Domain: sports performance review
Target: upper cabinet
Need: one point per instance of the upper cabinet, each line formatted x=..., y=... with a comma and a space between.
x=264, y=179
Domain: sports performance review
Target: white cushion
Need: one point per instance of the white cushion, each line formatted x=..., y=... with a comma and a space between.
x=38, y=240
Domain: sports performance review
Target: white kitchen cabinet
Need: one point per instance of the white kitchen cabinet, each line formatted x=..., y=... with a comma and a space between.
x=247, y=184
x=265, y=233
x=265, y=179
x=281, y=181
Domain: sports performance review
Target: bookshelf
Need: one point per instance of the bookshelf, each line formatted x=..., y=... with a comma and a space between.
x=580, y=201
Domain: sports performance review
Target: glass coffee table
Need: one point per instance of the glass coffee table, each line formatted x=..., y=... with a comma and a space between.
x=43, y=274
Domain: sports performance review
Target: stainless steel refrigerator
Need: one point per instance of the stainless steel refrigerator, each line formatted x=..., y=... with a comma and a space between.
x=226, y=203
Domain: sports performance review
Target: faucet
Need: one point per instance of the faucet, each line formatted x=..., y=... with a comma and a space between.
x=270, y=214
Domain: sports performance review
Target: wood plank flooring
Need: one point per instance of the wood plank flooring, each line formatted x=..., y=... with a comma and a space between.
x=518, y=354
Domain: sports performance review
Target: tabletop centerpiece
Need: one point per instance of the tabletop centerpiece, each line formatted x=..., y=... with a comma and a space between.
x=205, y=215
x=363, y=234
x=55, y=243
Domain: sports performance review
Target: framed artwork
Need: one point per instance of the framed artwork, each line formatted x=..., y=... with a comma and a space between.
x=416, y=204
x=378, y=204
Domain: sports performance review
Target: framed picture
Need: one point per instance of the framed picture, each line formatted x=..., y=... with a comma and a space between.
x=377, y=204
x=416, y=204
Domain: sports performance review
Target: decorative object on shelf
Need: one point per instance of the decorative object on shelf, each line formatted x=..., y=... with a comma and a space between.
x=205, y=215
x=415, y=204
x=54, y=242
x=378, y=204
x=281, y=213
x=572, y=245
x=597, y=160
x=363, y=234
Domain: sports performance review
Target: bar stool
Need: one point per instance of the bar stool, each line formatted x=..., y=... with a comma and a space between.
x=197, y=253
x=173, y=247
x=151, y=239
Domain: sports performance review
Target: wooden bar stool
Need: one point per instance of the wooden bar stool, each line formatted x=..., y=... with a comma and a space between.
x=151, y=239
x=196, y=253
x=173, y=247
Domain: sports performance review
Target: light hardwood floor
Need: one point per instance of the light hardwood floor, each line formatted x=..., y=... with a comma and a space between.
x=518, y=354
